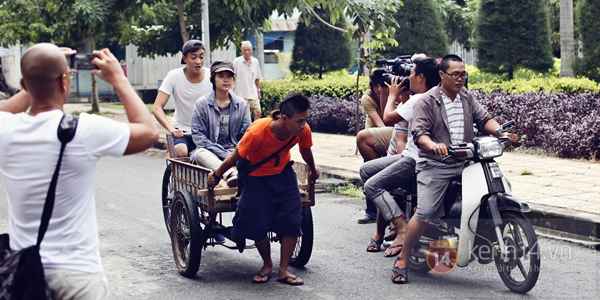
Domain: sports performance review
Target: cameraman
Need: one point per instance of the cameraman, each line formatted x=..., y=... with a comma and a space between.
x=372, y=142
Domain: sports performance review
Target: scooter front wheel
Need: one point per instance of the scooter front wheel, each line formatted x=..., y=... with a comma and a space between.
x=520, y=269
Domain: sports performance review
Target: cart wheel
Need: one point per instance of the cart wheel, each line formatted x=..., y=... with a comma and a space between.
x=304, y=244
x=186, y=234
x=167, y=196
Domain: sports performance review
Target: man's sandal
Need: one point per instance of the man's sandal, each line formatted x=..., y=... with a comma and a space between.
x=391, y=235
x=393, y=247
x=374, y=246
x=398, y=274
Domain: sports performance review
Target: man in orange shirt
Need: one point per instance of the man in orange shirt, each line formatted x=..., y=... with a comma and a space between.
x=270, y=199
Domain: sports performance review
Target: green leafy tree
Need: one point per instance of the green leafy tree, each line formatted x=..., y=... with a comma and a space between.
x=512, y=34
x=319, y=49
x=587, y=12
x=67, y=23
x=159, y=31
x=419, y=30
x=458, y=17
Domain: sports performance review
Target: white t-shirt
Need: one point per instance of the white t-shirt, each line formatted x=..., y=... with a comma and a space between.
x=29, y=150
x=245, y=77
x=184, y=94
x=406, y=112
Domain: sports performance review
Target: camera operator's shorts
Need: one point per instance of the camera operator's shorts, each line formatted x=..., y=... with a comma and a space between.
x=269, y=203
x=253, y=103
x=381, y=138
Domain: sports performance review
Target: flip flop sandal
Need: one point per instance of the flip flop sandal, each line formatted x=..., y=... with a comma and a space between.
x=397, y=272
x=261, y=277
x=390, y=236
x=374, y=246
x=393, y=247
x=286, y=280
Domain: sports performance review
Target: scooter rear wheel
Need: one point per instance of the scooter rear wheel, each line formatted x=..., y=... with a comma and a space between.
x=417, y=261
x=520, y=270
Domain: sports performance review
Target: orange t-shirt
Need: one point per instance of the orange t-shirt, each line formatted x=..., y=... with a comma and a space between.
x=259, y=143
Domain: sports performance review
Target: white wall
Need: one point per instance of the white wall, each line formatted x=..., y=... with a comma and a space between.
x=468, y=56
x=144, y=73
x=11, y=65
x=274, y=70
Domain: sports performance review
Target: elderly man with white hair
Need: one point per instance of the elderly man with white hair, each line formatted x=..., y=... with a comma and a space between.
x=247, y=70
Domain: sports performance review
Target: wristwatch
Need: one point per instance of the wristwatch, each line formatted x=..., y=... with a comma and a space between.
x=498, y=131
x=216, y=179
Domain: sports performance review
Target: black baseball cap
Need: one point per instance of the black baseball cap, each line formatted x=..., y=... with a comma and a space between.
x=220, y=66
x=191, y=46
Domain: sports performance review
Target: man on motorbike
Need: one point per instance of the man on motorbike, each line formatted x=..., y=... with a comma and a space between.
x=397, y=171
x=444, y=116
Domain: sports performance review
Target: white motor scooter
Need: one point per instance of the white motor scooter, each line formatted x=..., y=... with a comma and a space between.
x=482, y=221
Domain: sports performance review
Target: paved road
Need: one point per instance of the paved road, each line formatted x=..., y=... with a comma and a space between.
x=138, y=261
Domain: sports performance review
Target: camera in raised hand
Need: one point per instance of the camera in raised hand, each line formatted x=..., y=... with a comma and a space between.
x=399, y=66
x=83, y=61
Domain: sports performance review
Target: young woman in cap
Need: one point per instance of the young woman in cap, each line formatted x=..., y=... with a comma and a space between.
x=219, y=121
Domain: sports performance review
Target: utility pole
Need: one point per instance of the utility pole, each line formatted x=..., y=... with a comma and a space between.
x=206, y=33
x=260, y=51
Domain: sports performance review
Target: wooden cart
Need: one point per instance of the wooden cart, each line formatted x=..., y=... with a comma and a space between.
x=193, y=213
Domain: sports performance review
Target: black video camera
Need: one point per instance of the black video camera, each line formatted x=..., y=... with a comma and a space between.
x=392, y=68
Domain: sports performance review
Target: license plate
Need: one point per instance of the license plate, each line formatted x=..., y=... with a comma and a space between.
x=496, y=173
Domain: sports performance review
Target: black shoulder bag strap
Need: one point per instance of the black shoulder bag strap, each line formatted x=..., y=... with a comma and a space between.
x=262, y=162
x=274, y=155
x=66, y=132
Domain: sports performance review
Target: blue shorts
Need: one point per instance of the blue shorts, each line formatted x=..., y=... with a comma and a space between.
x=187, y=140
x=269, y=203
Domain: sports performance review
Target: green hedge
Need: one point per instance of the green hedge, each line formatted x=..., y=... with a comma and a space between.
x=337, y=84
x=535, y=85
x=340, y=84
x=529, y=81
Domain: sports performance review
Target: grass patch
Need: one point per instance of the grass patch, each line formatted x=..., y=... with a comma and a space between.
x=526, y=172
x=350, y=190
x=119, y=106
x=76, y=113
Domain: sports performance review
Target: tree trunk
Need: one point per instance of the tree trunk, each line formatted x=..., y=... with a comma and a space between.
x=181, y=17
x=361, y=48
x=567, y=38
x=95, y=100
x=511, y=73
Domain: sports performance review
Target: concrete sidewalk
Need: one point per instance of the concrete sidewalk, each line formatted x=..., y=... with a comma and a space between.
x=564, y=194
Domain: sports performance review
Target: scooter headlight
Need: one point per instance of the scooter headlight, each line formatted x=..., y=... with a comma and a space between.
x=489, y=148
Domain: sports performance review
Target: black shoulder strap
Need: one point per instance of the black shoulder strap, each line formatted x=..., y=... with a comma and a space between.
x=262, y=162
x=65, y=132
